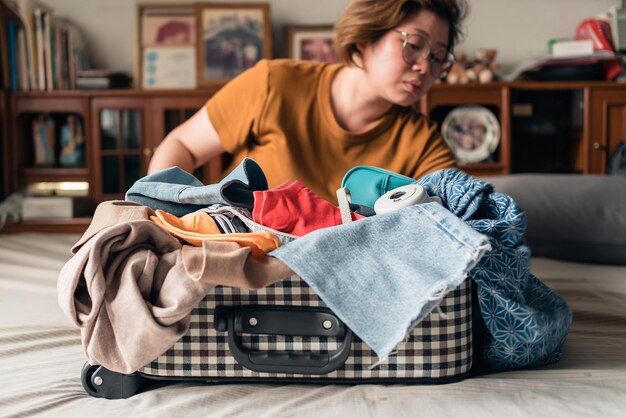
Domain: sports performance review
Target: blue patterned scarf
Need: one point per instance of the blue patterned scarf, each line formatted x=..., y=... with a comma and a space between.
x=526, y=321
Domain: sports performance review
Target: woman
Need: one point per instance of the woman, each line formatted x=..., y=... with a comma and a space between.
x=313, y=122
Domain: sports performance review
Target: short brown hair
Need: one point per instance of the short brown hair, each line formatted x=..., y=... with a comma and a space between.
x=366, y=21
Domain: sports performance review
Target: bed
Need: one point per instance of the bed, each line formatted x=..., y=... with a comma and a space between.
x=41, y=359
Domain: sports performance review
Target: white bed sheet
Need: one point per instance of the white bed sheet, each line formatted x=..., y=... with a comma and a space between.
x=41, y=359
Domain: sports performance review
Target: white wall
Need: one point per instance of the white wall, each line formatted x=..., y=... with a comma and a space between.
x=519, y=29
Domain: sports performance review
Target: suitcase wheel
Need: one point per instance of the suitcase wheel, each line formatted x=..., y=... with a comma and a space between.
x=100, y=382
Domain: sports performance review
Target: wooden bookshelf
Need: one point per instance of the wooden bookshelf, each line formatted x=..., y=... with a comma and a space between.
x=598, y=114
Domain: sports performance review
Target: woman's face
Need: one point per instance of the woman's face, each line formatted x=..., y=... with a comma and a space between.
x=389, y=75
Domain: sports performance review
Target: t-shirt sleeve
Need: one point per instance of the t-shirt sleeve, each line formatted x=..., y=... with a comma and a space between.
x=437, y=154
x=236, y=109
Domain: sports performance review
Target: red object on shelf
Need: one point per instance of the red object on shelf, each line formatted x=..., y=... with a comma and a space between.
x=599, y=32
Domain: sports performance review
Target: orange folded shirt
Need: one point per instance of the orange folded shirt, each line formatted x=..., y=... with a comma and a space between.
x=199, y=226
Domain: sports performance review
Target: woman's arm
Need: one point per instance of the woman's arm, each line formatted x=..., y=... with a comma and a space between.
x=189, y=145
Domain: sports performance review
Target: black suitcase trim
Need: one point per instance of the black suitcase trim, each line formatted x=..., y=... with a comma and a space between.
x=100, y=382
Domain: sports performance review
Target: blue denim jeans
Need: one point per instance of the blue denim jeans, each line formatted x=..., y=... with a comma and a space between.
x=382, y=275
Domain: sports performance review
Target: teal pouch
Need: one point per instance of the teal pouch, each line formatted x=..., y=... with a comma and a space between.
x=366, y=183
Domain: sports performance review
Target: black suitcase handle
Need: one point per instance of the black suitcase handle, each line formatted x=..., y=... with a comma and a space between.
x=283, y=320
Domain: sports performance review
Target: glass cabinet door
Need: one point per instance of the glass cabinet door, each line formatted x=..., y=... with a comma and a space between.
x=457, y=106
x=119, y=132
x=167, y=114
x=174, y=117
x=547, y=132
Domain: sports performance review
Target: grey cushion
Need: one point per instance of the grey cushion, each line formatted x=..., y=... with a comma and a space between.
x=571, y=217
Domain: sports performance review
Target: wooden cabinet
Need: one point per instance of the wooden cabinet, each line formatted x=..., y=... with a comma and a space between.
x=607, y=127
x=545, y=127
x=19, y=155
x=169, y=112
x=443, y=98
x=5, y=143
x=126, y=129
x=121, y=129
x=119, y=133
x=24, y=111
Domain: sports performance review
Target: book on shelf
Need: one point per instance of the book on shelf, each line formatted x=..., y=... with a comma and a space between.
x=39, y=51
x=22, y=64
x=6, y=15
x=44, y=140
x=17, y=28
x=58, y=188
x=55, y=207
x=572, y=48
x=24, y=9
x=56, y=200
x=47, y=49
x=103, y=79
x=13, y=74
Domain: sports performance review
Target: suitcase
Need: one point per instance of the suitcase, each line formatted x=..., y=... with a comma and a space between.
x=285, y=333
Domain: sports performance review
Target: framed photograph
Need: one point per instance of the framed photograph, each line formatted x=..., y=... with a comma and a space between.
x=166, y=44
x=230, y=39
x=311, y=43
x=168, y=30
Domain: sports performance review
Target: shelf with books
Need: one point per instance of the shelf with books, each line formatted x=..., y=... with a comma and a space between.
x=122, y=128
x=50, y=141
x=49, y=137
x=40, y=51
x=50, y=159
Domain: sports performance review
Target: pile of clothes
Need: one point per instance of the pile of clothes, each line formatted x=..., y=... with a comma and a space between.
x=145, y=262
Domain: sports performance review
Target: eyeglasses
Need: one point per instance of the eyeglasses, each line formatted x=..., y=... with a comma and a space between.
x=415, y=50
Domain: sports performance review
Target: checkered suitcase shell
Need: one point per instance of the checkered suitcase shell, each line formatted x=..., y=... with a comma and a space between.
x=284, y=332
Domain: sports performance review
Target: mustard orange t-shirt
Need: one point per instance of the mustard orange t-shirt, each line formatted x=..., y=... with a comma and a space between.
x=279, y=113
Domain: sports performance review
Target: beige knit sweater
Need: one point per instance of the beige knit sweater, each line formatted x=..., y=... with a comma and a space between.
x=131, y=286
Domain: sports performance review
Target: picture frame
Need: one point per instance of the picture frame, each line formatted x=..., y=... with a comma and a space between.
x=166, y=44
x=230, y=39
x=311, y=43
